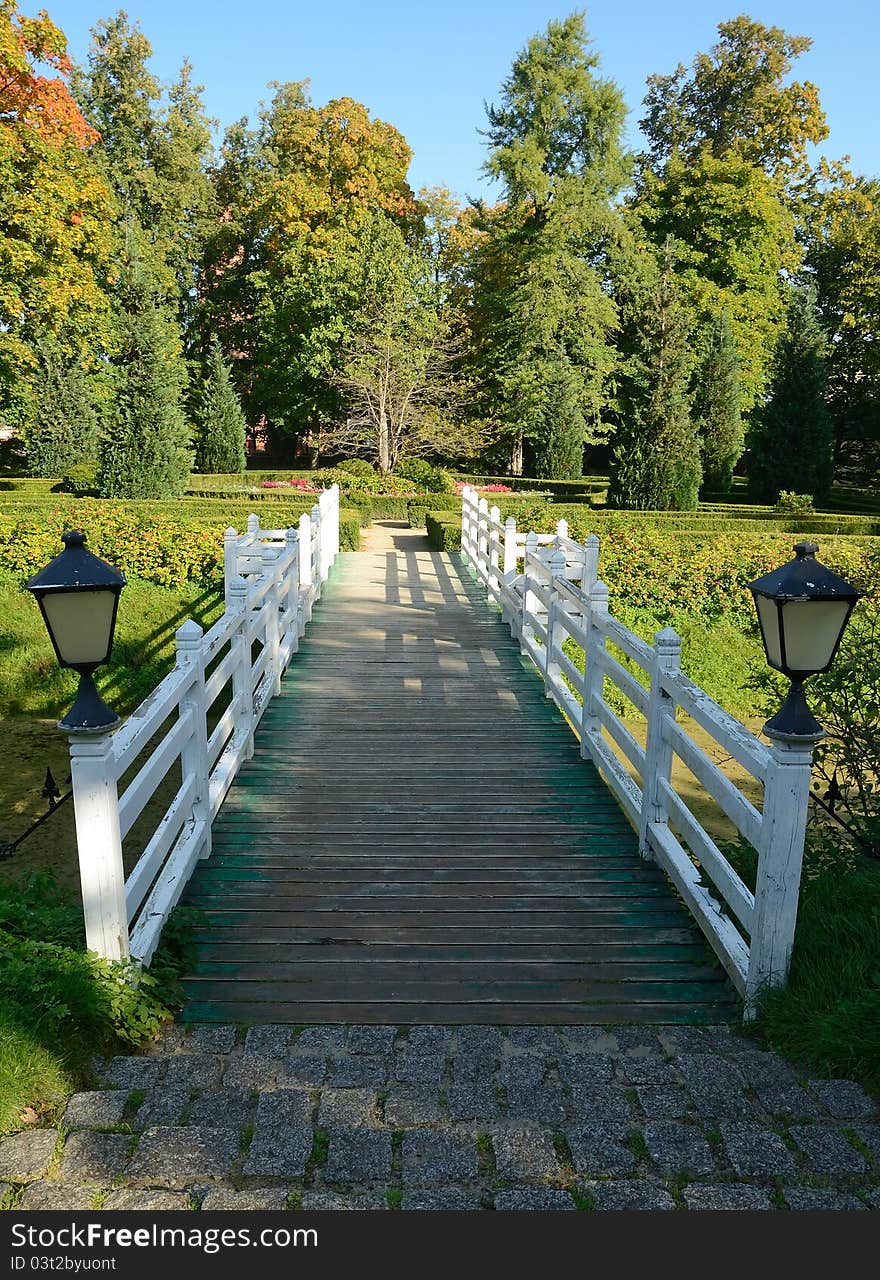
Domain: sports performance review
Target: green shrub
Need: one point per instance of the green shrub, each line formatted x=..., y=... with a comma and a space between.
x=444, y=531
x=81, y=480
x=357, y=467
x=431, y=479
x=794, y=503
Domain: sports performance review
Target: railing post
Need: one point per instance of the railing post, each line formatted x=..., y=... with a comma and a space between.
x=317, y=543
x=305, y=570
x=194, y=755
x=230, y=560
x=591, y=564
x=242, y=694
x=528, y=599
x=561, y=530
x=272, y=601
x=594, y=676
x=551, y=667
x=786, y=801
x=253, y=524
x=509, y=562
x=494, y=548
x=468, y=537
x=291, y=591
x=334, y=523
x=99, y=842
x=483, y=537
x=658, y=751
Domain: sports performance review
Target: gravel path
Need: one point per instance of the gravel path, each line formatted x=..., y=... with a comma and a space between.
x=524, y=1118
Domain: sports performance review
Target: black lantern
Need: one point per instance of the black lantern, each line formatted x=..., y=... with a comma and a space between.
x=78, y=595
x=803, y=609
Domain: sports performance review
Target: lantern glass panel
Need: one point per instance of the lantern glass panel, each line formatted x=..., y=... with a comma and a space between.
x=812, y=629
x=81, y=623
x=768, y=617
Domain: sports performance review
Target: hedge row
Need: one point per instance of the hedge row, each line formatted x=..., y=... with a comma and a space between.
x=164, y=543
x=703, y=574
x=526, y=484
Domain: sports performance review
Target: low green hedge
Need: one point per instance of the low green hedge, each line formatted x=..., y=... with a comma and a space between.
x=525, y=484
x=444, y=531
x=166, y=543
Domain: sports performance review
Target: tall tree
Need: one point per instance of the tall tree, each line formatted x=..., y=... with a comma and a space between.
x=538, y=286
x=64, y=429
x=559, y=450
x=219, y=421
x=717, y=406
x=56, y=220
x=736, y=100
x=145, y=447
x=655, y=462
x=791, y=443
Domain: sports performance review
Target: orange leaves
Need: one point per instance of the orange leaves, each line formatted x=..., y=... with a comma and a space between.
x=31, y=101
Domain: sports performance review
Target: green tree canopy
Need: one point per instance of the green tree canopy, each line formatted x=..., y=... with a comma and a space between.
x=219, y=421
x=717, y=406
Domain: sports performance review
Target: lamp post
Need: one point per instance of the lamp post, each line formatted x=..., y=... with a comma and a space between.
x=803, y=609
x=78, y=595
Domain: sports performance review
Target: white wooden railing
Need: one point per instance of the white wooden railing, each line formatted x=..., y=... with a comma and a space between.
x=547, y=588
x=272, y=578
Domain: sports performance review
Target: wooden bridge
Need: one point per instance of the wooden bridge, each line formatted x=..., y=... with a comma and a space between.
x=404, y=828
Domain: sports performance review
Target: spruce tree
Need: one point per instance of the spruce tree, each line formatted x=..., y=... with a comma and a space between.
x=791, y=445
x=655, y=462
x=145, y=447
x=717, y=407
x=559, y=447
x=64, y=430
x=220, y=422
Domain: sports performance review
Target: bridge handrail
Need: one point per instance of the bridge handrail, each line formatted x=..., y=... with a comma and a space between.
x=272, y=579
x=548, y=591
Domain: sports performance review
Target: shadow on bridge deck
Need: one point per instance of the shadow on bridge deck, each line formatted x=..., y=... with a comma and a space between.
x=417, y=839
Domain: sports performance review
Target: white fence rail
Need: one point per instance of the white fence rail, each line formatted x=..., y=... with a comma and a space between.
x=272, y=578
x=547, y=588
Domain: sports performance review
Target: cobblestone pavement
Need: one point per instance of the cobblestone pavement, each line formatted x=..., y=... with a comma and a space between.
x=452, y=1118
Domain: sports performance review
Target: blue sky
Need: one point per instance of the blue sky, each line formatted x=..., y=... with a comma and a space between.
x=428, y=68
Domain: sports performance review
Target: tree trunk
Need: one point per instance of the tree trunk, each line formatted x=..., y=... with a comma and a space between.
x=384, y=446
x=516, y=455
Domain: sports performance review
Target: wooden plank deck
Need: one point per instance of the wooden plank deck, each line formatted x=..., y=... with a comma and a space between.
x=418, y=841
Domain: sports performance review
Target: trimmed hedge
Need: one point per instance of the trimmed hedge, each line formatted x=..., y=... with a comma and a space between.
x=444, y=531
x=526, y=484
x=163, y=542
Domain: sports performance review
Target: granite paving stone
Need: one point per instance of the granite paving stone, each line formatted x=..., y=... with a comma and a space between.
x=679, y=1040
x=638, y=1041
x=357, y=1071
x=194, y=1071
x=544, y=1104
x=134, y=1072
x=756, y=1152
x=811, y=1199
x=319, y=1199
x=592, y=1102
x=588, y=1040
x=727, y=1197
x=94, y=1158
x=282, y=1139
x=348, y=1108
x=845, y=1099
x=437, y=1158
x=152, y=1200
x=601, y=1149
x=586, y=1068
x=223, y=1109
x=321, y=1040
x=418, y=1067
x=95, y=1109
x=358, y=1156
x=231, y=1201
x=678, y=1148
x=371, y=1039
x=663, y=1102
x=472, y=1102
x=162, y=1106
x=479, y=1044
x=788, y=1100
x=828, y=1151
x=181, y=1157
x=648, y=1070
x=252, y=1071
x=207, y=1039
x=50, y=1196
x=406, y=1105
x=715, y=1086
x=307, y=1069
x=525, y=1155
x=869, y=1136
x=543, y=1041
x=628, y=1195
x=539, y=1199
x=429, y=1040
x=441, y=1199
x=269, y=1041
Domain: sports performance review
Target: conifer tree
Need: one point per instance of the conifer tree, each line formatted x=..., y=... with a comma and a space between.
x=717, y=407
x=791, y=445
x=145, y=446
x=559, y=447
x=220, y=422
x=64, y=430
